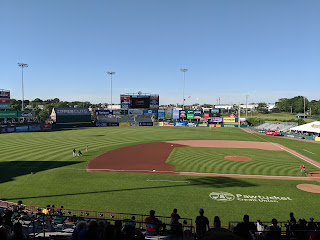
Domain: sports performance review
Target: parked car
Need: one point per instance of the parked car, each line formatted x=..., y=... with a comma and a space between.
x=273, y=133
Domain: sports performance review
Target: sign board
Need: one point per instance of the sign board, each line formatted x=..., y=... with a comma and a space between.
x=4, y=105
x=4, y=100
x=229, y=119
x=8, y=114
x=150, y=112
x=125, y=105
x=215, y=110
x=4, y=94
x=183, y=114
x=161, y=114
x=190, y=114
x=175, y=114
x=34, y=128
x=154, y=101
x=101, y=124
x=103, y=112
x=168, y=113
x=217, y=119
x=135, y=112
x=197, y=114
x=22, y=129
x=72, y=111
x=145, y=124
x=191, y=125
x=179, y=124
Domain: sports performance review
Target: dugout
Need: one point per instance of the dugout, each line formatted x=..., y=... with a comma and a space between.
x=70, y=115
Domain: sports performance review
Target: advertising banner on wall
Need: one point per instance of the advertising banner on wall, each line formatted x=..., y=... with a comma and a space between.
x=150, y=112
x=101, y=124
x=22, y=129
x=191, y=125
x=229, y=119
x=190, y=114
x=103, y=112
x=165, y=124
x=120, y=112
x=197, y=114
x=179, y=124
x=113, y=124
x=217, y=119
x=202, y=125
x=206, y=115
x=72, y=111
x=175, y=114
x=25, y=114
x=154, y=101
x=168, y=114
x=161, y=114
x=4, y=100
x=160, y=124
x=135, y=112
x=4, y=94
x=4, y=105
x=34, y=128
x=183, y=114
x=215, y=110
x=46, y=127
x=125, y=105
x=145, y=124
x=124, y=124
x=8, y=114
x=125, y=99
x=134, y=124
x=7, y=130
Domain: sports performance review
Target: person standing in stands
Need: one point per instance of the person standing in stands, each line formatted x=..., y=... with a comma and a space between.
x=243, y=229
x=202, y=224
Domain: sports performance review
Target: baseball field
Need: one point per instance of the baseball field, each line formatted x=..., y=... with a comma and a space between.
x=228, y=172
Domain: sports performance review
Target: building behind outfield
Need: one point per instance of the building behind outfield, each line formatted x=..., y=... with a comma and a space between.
x=71, y=115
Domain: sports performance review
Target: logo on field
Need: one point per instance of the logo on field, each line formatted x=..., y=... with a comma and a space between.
x=222, y=196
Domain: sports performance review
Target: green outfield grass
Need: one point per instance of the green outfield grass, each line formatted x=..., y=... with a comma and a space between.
x=61, y=179
x=211, y=160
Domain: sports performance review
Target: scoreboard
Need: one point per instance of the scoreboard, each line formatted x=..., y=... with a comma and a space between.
x=137, y=101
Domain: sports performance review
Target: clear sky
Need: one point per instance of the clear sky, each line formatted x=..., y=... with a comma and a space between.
x=267, y=49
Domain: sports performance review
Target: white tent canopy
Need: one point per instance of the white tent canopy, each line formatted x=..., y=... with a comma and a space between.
x=313, y=127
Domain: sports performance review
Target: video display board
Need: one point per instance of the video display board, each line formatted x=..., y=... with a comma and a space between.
x=140, y=101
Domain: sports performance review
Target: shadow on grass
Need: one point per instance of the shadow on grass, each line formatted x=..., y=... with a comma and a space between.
x=12, y=169
x=213, y=182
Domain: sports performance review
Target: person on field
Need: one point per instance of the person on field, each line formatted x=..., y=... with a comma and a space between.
x=303, y=168
x=79, y=153
x=202, y=224
x=87, y=148
x=74, y=152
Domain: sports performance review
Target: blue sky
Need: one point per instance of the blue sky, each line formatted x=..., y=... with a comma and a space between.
x=267, y=49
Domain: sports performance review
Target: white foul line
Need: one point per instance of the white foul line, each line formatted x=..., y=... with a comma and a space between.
x=166, y=181
x=308, y=151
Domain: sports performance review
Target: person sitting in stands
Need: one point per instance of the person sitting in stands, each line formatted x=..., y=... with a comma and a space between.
x=243, y=229
x=275, y=231
x=312, y=225
x=17, y=232
x=91, y=233
x=153, y=224
x=46, y=210
x=59, y=211
x=217, y=232
x=80, y=226
x=202, y=224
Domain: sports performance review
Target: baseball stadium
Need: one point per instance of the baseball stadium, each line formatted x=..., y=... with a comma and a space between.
x=127, y=168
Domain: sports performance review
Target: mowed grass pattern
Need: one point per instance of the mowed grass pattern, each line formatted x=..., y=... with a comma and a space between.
x=61, y=179
x=211, y=160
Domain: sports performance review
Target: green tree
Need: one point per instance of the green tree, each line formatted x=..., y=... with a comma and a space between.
x=262, y=107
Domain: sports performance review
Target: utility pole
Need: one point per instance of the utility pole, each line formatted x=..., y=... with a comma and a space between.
x=239, y=114
x=304, y=106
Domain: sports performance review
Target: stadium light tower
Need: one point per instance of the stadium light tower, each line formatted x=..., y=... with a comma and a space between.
x=111, y=73
x=247, y=105
x=22, y=65
x=184, y=75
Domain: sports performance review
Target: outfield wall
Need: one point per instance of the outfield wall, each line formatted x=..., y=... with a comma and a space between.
x=32, y=128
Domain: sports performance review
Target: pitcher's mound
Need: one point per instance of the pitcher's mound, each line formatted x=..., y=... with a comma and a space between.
x=238, y=158
x=309, y=188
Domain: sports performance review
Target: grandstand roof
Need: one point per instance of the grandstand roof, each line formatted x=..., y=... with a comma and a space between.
x=313, y=127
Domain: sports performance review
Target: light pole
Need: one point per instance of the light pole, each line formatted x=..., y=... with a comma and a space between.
x=111, y=73
x=247, y=106
x=184, y=75
x=22, y=65
x=304, y=107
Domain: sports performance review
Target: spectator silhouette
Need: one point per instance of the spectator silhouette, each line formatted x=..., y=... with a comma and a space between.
x=274, y=231
x=202, y=224
x=17, y=232
x=80, y=226
x=91, y=233
x=243, y=229
x=153, y=224
x=217, y=232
